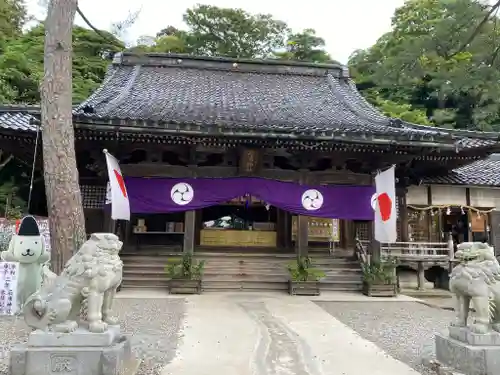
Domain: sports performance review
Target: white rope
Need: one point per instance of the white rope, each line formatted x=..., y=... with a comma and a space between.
x=33, y=167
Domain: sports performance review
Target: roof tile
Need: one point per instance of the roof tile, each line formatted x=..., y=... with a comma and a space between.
x=480, y=173
x=257, y=96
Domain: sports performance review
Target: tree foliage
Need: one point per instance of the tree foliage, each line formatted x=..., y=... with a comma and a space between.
x=438, y=65
x=13, y=16
x=214, y=31
x=441, y=57
x=21, y=64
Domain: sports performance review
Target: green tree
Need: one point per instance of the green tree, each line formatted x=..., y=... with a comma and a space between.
x=214, y=31
x=13, y=16
x=439, y=57
x=21, y=64
x=231, y=32
x=305, y=46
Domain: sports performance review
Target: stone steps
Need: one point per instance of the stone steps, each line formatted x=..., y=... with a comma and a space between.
x=241, y=271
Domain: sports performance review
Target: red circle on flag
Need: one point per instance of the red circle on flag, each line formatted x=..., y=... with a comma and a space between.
x=385, y=206
x=121, y=183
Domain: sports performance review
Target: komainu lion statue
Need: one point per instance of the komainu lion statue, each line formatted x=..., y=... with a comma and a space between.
x=476, y=278
x=82, y=296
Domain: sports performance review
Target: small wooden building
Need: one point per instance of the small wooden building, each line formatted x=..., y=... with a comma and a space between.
x=250, y=138
x=464, y=202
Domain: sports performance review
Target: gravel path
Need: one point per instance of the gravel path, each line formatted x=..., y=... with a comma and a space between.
x=405, y=330
x=154, y=326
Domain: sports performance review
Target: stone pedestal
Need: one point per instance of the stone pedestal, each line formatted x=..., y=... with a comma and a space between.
x=77, y=353
x=468, y=352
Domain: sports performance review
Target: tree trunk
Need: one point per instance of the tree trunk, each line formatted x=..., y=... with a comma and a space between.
x=64, y=201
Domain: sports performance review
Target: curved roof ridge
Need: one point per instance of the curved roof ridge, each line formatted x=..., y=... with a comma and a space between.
x=364, y=104
x=113, y=103
x=124, y=57
x=228, y=64
x=342, y=95
x=111, y=72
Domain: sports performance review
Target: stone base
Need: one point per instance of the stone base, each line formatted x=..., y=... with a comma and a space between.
x=114, y=359
x=80, y=337
x=466, y=358
x=465, y=335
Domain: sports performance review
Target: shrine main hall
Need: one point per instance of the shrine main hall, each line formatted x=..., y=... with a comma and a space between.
x=263, y=157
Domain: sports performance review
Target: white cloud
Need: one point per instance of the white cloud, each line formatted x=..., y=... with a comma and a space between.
x=345, y=25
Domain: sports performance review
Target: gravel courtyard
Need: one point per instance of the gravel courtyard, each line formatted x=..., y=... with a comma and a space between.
x=154, y=326
x=405, y=330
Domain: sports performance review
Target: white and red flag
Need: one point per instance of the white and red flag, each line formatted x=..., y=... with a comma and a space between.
x=384, y=204
x=120, y=205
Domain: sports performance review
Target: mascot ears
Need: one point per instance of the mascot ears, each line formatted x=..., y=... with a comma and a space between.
x=28, y=227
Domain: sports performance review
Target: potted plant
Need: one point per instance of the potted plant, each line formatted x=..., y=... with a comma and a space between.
x=304, y=279
x=185, y=274
x=379, y=279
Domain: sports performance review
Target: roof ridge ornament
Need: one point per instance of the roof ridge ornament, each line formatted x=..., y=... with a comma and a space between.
x=345, y=72
x=118, y=58
x=395, y=123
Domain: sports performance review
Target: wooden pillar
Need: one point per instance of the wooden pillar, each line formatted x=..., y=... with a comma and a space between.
x=302, y=241
x=403, y=213
x=495, y=231
x=189, y=231
x=347, y=234
x=280, y=228
x=429, y=214
x=469, y=214
x=287, y=228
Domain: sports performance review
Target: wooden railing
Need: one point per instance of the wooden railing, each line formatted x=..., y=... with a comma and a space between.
x=362, y=252
x=431, y=251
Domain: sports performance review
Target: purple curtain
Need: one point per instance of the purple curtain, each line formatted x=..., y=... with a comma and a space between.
x=161, y=195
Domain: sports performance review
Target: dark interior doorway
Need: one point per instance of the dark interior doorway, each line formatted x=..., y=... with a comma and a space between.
x=456, y=222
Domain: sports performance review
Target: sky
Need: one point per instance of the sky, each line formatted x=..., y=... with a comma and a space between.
x=346, y=25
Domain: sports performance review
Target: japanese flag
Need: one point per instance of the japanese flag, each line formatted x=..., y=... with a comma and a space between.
x=120, y=206
x=384, y=204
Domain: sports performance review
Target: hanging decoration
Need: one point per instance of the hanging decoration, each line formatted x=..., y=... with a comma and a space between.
x=448, y=208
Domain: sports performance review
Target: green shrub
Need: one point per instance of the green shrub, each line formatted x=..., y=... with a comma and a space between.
x=302, y=270
x=185, y=268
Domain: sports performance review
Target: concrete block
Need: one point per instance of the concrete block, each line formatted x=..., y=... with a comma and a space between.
x=80, y=337
x=466, y=358
x=74, y=360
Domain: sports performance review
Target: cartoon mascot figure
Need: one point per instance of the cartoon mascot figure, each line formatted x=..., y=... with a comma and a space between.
x=27, y=247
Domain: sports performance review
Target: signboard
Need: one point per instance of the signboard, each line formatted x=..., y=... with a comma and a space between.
x=9, y=272
x=478, y=223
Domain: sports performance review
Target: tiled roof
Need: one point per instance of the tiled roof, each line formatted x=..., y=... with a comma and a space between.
x=210, y=94
x=19, y=118
x=480, y=173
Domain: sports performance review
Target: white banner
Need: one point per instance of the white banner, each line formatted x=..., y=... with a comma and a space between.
x=9, y=272
x=120, y=206
x=384, y=204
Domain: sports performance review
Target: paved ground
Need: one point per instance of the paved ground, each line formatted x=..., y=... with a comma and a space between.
x=154, y=326
x=267, y=334
x=404, y=330
x=227, y=334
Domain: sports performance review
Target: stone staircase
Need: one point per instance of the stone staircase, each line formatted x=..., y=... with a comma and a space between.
x=243, y=271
